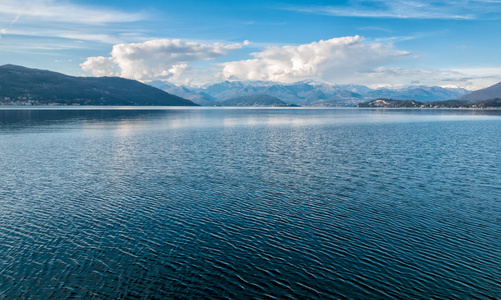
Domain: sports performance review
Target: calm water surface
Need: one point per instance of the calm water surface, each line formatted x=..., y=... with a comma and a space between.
x=250, y=203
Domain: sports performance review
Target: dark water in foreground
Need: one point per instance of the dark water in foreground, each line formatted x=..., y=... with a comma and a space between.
x=250, y=203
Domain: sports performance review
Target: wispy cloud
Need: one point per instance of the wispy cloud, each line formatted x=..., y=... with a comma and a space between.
x=414, y=36
x=476, y=78
x=375, y=28
x=15, y=20
x=63, y=19
x=394, y=77
x=65, y=12
x=408, y=9
x=87, y=35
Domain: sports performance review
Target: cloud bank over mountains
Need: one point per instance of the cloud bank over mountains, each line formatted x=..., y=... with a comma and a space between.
x=156, y=59
x=331, y=60
x=335, y=60
x=343, y=60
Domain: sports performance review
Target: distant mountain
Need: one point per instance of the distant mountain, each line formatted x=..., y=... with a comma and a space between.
x=181, y=91
x=310, y=93
x=299, y=93
x=32, y=86
x=253, y=100
x=491, y=92
x=336, y=98
x=391, y=103
x=420, y=93
x=382, y=102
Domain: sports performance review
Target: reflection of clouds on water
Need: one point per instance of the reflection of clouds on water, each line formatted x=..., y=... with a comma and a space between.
x=34, y=119
x=312, y=117
x=141, y=118
x=124, y=145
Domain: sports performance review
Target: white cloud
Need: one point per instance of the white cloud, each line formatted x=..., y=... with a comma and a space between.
x=157, y=59
x=334, y=60
x=99, y=66
x=345, y=60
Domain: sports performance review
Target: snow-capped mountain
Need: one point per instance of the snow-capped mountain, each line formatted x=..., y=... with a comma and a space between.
x=307, y=92
x=418, y=93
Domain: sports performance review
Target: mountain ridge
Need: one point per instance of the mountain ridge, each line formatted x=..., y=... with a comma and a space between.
x=22, y=85
x=310, y=93
x=491, y=92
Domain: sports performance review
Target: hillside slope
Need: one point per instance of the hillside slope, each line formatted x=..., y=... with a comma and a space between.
x=18, y=84
x=492, y=92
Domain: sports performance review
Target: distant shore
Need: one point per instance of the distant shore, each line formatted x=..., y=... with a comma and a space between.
x=391, y=103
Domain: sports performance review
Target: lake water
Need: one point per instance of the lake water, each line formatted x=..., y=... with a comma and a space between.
x=297, y=203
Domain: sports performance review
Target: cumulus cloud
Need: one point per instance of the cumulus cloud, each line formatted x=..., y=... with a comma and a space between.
x=333, y=60
x=344, y=60
x=99, y=66
x=156, y=59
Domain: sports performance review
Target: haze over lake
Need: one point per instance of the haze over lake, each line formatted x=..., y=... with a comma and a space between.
x=250, y=203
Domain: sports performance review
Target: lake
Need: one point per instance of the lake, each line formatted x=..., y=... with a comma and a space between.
x=298, y=203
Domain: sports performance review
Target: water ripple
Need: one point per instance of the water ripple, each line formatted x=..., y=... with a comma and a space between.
x=131, y=206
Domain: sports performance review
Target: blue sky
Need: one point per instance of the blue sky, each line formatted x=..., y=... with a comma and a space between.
x=374, y=42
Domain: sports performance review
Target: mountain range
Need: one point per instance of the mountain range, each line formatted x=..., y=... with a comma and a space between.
x=20, y=85
x=306, y=93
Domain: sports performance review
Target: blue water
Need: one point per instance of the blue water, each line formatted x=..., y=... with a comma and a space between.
x=292, y=203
